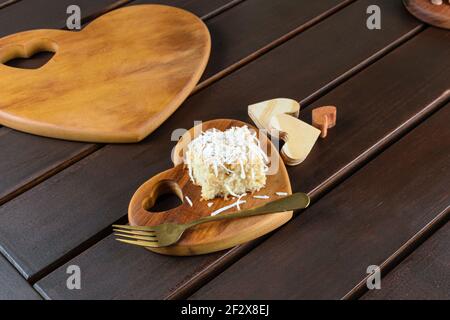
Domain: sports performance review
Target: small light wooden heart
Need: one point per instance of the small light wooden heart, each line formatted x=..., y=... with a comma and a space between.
x=262, y=112
x=116, y=80
x=279, y=116
x=299, y=138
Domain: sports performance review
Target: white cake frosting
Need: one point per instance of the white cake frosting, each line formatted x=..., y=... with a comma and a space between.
x=227, y=162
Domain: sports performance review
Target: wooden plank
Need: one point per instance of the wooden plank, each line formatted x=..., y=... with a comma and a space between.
x=200, y=8
x=424, y=275
x=26, y=159
x=43, y=14
x=257, y=23
x=388, y=115
x=325, y=252
x=13, y=286
x=5, y=3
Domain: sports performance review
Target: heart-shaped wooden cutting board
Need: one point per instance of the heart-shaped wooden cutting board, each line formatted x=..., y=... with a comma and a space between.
x=213, y=236
x=116, y=80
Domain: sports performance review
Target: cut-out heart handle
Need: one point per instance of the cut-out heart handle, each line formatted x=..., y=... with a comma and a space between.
x=25, y=45
x=169, y=181
x=36, y=61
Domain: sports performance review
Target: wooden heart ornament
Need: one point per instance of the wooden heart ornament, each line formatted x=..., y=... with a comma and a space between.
x=116, y=80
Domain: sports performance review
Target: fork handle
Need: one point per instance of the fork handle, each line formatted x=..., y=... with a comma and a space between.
x=292, y=202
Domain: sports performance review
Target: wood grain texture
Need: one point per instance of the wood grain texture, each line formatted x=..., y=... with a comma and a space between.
x=201, y=8
x=389, y=109
x=435, y=15
x=325, y=252
x=219, y=235
x=53, y=18
x=22, y=16
x=256, y=23
x=13, y=286
x=5, y=3
x=154, y=53
x=131, y=273
x=424, y=275
x=25, y=159
x=45, y=156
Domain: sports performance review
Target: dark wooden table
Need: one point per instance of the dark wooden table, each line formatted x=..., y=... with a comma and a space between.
x=380, y=182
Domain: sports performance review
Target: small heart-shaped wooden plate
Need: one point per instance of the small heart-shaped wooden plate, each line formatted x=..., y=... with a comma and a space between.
x=213, y=236
x=436, y=15
x=116, y=80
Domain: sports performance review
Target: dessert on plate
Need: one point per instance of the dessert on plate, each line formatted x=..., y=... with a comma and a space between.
x=226, y=163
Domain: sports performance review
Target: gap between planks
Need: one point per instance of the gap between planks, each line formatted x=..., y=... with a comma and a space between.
x=64, y=165
x=403, y=252
x=6, y=3
x=106, y=9
x=73, y=253
x=221, y=9
x=412, y=244
x=363, y=65
x=272, y=45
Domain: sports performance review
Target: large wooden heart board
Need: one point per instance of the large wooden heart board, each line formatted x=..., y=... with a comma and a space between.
x=213, y=236
x=116, y=80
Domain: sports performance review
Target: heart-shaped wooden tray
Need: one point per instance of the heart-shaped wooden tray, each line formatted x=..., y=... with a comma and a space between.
x=116, y=80
x=436, y=15
x=214, y=236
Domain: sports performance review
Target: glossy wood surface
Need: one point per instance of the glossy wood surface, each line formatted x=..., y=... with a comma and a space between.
x=340, y=154
x=423, y=275
x=306, y=47
x=13, y=286
x=112, y=163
